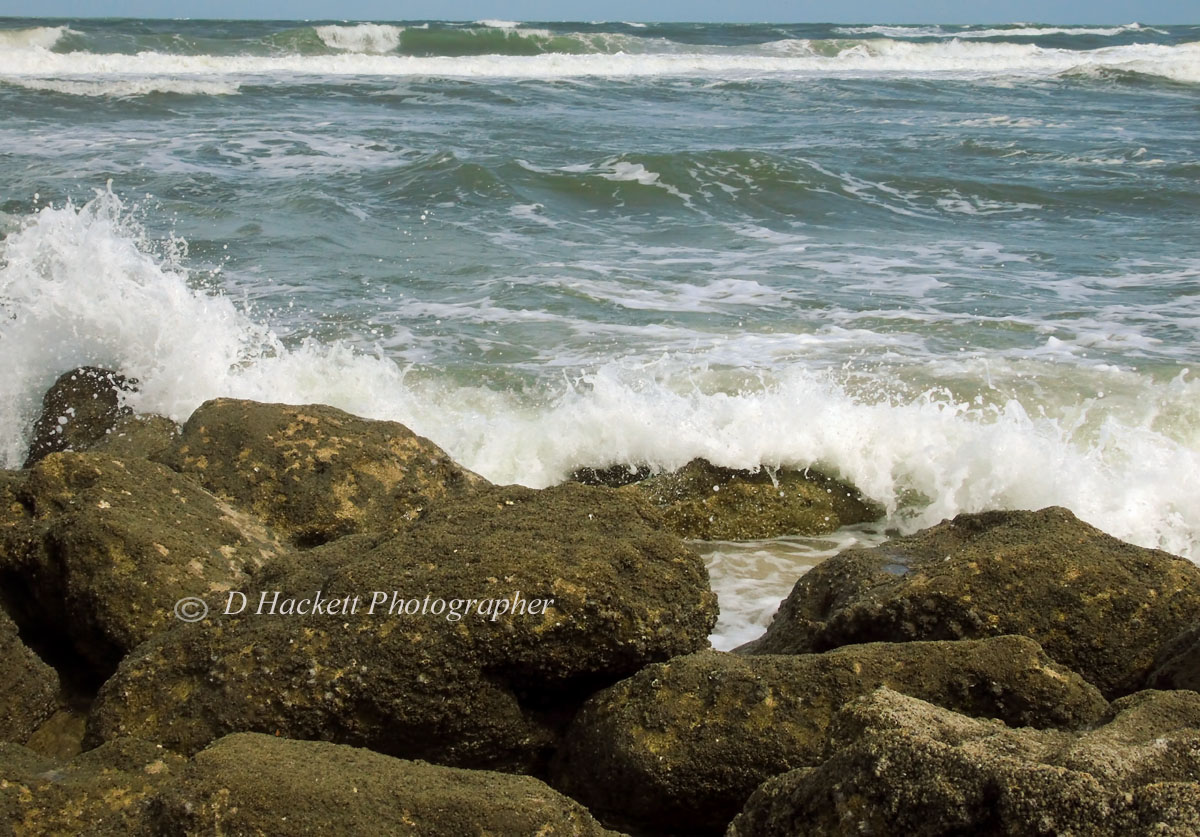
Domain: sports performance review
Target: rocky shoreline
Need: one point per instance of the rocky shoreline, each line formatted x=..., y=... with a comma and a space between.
x=1000, y=673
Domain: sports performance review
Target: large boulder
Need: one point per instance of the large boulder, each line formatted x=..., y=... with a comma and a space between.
x=112, y=545
x=28, y=687
x=1097, y=605
x=710, y=502
x=614, y=591
x=315, y=472
x=680, y=746
x=78, y=411
x=260, y=784
x=901, y=766
x=107, y=791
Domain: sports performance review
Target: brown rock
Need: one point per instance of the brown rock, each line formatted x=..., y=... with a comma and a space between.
x=115, y=544
x=78, y=410
x=260, y=784
x=28, y=687
x=1097, y=605
x=901, y=766
x=475, y=691
x=709, y=502
x=680, y=746
x=314, y=472
x=103, y=792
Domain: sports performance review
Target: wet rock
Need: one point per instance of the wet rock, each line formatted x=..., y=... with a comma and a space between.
x=113, y=545
x=612, y=476
x=617, y=591
x=260, y=784
x=78, y=410
x=901, y=766
x=314, y=472
x=708, y=502
x=103, y=792
x=1097, y=605
x=28, y=687
x=680, y=746
x=1178, y=663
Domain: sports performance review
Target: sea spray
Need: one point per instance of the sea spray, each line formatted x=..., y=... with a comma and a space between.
x=84, y=285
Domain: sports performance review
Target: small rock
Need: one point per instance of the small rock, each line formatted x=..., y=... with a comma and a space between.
x=708, y=502
x=78, y=410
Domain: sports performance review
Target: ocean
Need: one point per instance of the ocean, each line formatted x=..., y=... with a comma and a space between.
x=956, y=266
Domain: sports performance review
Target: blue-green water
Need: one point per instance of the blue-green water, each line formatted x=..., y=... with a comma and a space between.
x=955, y=265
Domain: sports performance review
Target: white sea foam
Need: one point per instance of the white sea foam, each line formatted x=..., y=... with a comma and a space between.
x=498, y=24
x=362, y=37
x=951, y=59
x=81, y=285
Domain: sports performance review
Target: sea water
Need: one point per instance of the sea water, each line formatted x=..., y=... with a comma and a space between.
x=955, y=266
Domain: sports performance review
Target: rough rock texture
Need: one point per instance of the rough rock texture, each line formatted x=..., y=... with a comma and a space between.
x=138, y=437
x=1178, y=663
x=479, y=691
x=103, y=792
x=259, y=784
x=901, y=766
x=680, y=746
x=28, y=687
x=113, y=545
x=1097, y=605
x=708, y=502
x=315, y=472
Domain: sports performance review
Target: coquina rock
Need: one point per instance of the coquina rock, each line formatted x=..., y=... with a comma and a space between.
x=99, y=550
x=104, y=792
x=78, y=411
x=138, y=437
x=617, y=591
x=260, y=784
x=680, y=746
x=899, y=765
x=709, y=502
x=315, y=473
x=28, y=687
x=1097, y=605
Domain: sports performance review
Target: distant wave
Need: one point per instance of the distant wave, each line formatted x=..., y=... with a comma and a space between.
x=1013, y=31
x=41, y=37
x=119, y=88
x=468, y=53
x=364, y=37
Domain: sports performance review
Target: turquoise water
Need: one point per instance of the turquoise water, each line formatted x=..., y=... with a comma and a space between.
x=955, y=265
